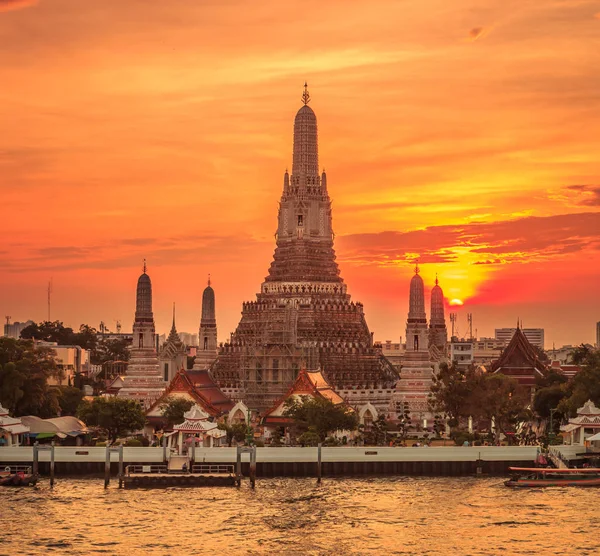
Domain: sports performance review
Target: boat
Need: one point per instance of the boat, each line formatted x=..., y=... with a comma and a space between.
x=17, y=478
x=535, y=477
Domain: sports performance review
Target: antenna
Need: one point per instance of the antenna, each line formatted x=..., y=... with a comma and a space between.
x=7, y=319
x=49, y=294
x=118, y=326
x=470, y=321
x=453, y=321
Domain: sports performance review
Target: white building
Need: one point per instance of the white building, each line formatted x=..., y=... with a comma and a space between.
x=70, y=360
x=534, y=335
x=14, y=330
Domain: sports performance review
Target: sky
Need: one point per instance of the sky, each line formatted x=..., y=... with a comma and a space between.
x=465, y=134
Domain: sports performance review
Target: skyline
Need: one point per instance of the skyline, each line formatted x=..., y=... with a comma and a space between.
x=456, y=139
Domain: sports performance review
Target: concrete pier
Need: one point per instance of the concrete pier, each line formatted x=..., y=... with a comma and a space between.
x=295, y=462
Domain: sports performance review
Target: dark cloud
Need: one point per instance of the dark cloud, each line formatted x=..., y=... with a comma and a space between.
x=475, y=33
x=7, y=5
x=588, y=195
x=496, y=242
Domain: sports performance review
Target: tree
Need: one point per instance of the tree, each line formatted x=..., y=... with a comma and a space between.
x=174, y=408
x=320, y=415
x=235, y=431
x=548, y=398
x=404, y=419
x=450, y=392
x=376, y=434
x=111, y=350
x=49, y=331
x=69, y=399
x=117, y=416
x=585, y=385
x=26, y=369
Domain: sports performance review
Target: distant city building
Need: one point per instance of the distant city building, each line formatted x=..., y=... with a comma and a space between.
x=483, y=351
x=393, y=351
x=534, y=335
x=189, y=339
x=14, y=330
x=143, y=380
x=70, y=360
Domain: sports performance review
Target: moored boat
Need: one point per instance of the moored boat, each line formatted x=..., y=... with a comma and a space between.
x=535, y=477
x=18, y=478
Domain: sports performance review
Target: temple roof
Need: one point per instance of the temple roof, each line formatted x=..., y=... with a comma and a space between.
x=208, y=305
x=308, y=383
x=518, y=355
x=201, y=387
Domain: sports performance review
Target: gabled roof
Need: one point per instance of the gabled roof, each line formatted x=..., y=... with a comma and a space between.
x=307, y=383
x=518, y=357
x=200, y=386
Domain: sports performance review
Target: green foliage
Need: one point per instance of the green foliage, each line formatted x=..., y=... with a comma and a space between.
x=117, y=416
x=133, y=443
x=111, y=350
x=332, y=441
x=310, y=437
x=276, y=438
x=173, y=409
x=451, y=391
x=236, y=431
x=548, y=398
x=24, y=373
x=69, y=399
x=320, y=415
x=585, y=385
x=376, y=433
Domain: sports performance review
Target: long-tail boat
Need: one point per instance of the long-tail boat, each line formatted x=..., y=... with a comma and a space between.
x=535, y=477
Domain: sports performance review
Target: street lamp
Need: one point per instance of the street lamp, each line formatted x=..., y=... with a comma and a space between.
x=551, y=435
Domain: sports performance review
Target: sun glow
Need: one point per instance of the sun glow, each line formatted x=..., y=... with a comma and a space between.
x=456, y=302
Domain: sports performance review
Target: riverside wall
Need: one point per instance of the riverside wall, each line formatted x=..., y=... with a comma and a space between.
x=298, y=462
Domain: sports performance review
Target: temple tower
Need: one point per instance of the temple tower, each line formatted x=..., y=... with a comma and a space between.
x=143, y=380
x=173, y=354
x=438, y=333
x=303, y=316
x=412, y=391
x=207, y=334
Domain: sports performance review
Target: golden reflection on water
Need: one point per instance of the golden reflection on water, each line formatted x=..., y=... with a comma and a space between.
x=397, y=515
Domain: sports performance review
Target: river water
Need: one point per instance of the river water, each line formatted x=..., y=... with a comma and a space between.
x=398, y=515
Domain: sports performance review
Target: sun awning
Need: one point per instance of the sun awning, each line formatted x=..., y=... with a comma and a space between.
x=15, y=429
x=594, y=438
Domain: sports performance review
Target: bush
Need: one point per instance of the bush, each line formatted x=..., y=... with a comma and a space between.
x=331, y=441
x=101, y=443
x=259, y=444
x=133, y=443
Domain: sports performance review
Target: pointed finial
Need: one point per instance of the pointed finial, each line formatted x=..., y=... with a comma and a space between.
x=173, y=313
x=144, y=266
x=436, y=279
x=305, y=94
x=209, y=279
x=417, y=270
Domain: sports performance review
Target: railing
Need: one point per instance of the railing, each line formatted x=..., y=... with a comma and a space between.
x=145, y=469
x=16, y=469
x=212, y=469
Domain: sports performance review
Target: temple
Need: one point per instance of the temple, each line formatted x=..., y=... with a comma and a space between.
x=303, y=316
x=207, y=333
x=412, y=391
x=438, y=333
x=173, y=354
x=143, y=380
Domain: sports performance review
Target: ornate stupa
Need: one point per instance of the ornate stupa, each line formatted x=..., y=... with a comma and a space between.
x=417, y=372
x=173, y=354
x=207, y=333
x=303, y=316
x=143, y=380
x=438, y=333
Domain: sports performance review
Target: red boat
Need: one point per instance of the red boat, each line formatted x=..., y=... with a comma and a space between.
x=19, y=478
x=535, y=477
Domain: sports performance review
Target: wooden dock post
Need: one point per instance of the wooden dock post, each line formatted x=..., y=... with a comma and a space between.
x=52, y=465
x=164, y=447
x=107, y=468
x=120, y=466
x=253, y=467
x=238, y=466
x=319, y=463
x=36, y=459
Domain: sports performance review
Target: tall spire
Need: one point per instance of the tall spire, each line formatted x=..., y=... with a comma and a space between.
x=144, y=266
x=143, y=301
x=305, y=94
x=173, y=314
x=209, y=279
x=416, y=310
x=173, y=336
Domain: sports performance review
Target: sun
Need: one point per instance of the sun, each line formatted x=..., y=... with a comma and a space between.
x=456, y=302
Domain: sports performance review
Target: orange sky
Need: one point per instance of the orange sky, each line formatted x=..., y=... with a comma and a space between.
x=466, y=133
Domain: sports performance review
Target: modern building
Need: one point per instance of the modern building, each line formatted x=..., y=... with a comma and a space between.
x=206, y=353
x=70, y=360
x=393, y=352
x=14, y=330
x=303, y=316
x=143, y=380
x=534, y=335
x=414, y=386
x=483, y=351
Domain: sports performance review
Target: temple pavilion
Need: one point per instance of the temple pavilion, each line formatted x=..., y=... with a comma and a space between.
x=584, y=426
x=199, y=428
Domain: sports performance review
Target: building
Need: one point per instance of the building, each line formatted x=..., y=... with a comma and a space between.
x=585, y=425
x=483, y=351
x=14, y=330
x=206, y=353
x=393, y=352
x=189, y=339
x=438, y=333
x=414, y=386
x=70, y=360
x=534, y=335
x=303, y=316
x=520, y=360
x=143, y=380
x=173, y=354
x=11, y=429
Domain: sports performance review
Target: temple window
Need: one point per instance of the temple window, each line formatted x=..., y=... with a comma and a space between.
x=300, y=220
x=205, y=343
x=416, y=342
x=141, y=340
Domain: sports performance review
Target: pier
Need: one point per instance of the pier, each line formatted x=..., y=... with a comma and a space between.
x=291, y=461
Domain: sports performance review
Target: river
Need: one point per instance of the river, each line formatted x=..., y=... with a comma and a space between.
x=397, y=515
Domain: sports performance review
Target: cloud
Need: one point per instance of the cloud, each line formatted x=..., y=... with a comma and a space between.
x=477, y=32
x=490, y=243
x=8, y=5
x=587, y=195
